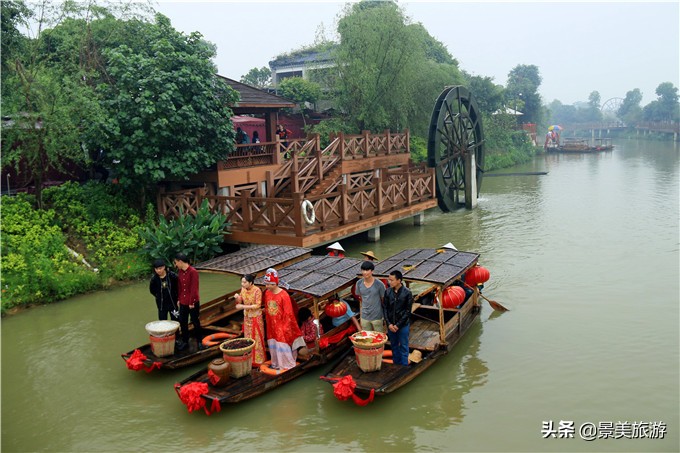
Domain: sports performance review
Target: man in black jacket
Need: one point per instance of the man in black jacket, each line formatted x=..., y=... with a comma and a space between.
x=163, y=286
x=397, y=312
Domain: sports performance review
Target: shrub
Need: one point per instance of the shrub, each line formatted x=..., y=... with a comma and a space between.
x=199, y=237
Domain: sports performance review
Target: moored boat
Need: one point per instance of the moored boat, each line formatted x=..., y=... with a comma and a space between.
x=577, y=145
x=313, y=282
x=434, y=329
x=219, y=317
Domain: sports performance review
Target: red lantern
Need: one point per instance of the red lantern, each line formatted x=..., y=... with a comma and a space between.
x=335, y=309
x=477, y=275
x=453, y=297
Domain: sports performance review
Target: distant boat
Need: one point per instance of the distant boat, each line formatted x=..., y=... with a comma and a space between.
x=577, y=145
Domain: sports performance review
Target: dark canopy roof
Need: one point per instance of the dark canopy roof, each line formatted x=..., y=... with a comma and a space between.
x=440, y=266
x=254, y=260
x=319, y=275
x=252, y=97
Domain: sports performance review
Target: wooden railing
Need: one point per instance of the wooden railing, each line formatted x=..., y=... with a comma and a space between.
x=344, y=206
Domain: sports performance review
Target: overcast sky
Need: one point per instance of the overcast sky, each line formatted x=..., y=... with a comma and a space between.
x=578, y=47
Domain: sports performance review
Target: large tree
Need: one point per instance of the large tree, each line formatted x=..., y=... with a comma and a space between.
x=630, y=111
x=522, y=90
x=167, y=113
x=260, y=78
x=390, y=71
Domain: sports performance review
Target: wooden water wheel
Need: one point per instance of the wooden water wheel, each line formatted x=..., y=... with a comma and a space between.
x=455, y=135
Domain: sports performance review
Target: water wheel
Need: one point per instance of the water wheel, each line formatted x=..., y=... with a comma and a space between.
x=455, y=135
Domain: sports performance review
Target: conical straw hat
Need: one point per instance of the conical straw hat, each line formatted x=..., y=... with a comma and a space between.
x=448, y=245
x=336, y=246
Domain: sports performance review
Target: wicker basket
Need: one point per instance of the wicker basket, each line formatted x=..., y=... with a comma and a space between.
x=224, y=347
x=368, y=339
x=162, y=328
x=241, y=359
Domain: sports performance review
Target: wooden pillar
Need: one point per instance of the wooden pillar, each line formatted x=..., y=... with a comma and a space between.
x=388, y=142
x=343, y=204
x=295, y=182
x=245, y=210
x=341, y=145
x=319, y=160
x=297, y=215
x=270, y=126
x=408, y=140
x=409, y=191
x=366, y=136
x=378, y=195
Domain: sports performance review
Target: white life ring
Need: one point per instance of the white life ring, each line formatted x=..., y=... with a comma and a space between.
x=308, y=212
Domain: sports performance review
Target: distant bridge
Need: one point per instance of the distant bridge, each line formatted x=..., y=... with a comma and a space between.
x=666, y=127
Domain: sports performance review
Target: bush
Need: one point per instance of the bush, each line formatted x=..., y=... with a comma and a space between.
x=36, y=266
x=418, y=149
x=197, y=237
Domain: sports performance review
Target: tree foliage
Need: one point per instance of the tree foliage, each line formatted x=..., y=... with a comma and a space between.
x=166, y=109
x=630, y=110
x=387, y=79
x=522, y=90
x=260, y=78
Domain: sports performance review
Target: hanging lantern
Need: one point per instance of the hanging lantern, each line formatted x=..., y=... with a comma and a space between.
x=453, y=296
x=477, y=275
x=335, y=309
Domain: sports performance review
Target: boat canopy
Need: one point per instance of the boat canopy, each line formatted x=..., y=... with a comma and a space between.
x=254, y=260
x=319, y=276
x=439, y=266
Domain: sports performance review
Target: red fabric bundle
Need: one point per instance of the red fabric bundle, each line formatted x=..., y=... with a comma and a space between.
x=214, y=379
x=327, y=341
x=190, y=395
x=136, y=362
x=343, y=390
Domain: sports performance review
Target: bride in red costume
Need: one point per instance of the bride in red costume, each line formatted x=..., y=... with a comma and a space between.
x=284, y=337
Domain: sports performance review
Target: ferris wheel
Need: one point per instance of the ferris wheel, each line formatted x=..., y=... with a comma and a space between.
x=610, y=108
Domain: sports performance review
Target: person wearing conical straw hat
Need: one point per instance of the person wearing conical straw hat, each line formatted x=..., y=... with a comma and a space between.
x=335, y=249
x=369, y=256
x=449, y=246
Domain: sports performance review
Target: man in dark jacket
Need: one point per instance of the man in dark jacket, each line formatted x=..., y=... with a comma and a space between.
x=163, y=286
x=397, y=312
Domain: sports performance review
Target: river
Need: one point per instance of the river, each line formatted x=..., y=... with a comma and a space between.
x=586, y=257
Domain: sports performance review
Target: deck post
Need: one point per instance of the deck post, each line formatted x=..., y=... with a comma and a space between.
x=470, y=181
x=408, y=141
x=409, y=189
x=374, y=234
x=419, y=219
x=341, y=145
x=277, y=151
x=366, y=137
x=343, y=204
x=245, y=210
x=297, y=214
x=295, y=182
x=378, y=194
x=388, y=142
x=319, y=160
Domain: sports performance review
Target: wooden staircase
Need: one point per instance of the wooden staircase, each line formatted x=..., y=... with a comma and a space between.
x=330, y=181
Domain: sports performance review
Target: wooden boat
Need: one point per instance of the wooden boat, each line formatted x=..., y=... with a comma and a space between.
x=434, y=330
x=220, y=314
x=314, y=281
x=575, y=145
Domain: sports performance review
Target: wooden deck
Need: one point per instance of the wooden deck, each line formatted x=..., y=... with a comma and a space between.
x=356, y=183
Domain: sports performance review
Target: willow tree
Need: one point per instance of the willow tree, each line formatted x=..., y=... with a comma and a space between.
x=390, y=70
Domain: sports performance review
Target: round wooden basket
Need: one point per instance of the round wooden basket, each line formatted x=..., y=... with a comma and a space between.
x=368, y=339
x=162, y=328
x=224, y=347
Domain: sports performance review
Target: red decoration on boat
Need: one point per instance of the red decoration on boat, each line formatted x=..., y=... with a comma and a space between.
x=477, y=275
x=453, y=297
x=343, y=389
x=190, y=394
x=214, y=379
x=324, y=342
x=335, y=309
x=136, y=362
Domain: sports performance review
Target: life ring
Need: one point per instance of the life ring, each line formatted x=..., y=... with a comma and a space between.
x=387, y=356
x=217, y=338
x=266, y=368
x=308, y=212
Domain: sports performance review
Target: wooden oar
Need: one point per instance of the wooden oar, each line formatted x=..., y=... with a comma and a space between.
x=495, y=305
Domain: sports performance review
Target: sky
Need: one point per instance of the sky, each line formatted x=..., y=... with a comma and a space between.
x=578, y=47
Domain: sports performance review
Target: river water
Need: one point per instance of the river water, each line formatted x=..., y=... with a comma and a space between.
x=585, y=257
